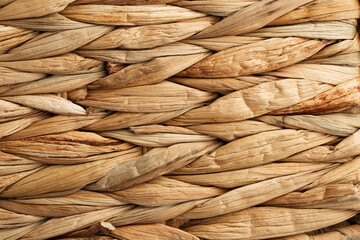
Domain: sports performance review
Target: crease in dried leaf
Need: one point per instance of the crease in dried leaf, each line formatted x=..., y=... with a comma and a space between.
x=263, y=56
x=143, y=37
x=253, y=101
x=129, y=15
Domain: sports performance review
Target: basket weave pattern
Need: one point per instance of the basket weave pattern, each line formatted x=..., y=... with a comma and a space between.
x=165, y=119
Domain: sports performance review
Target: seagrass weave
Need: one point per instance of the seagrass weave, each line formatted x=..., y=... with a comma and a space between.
x=179, y=119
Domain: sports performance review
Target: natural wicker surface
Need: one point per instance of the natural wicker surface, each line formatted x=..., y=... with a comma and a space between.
x=190, y=119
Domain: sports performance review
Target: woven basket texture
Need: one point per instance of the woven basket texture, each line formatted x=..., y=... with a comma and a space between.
x=179, y=119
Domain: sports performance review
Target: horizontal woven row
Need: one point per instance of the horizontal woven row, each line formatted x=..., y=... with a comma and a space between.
x=165, y=119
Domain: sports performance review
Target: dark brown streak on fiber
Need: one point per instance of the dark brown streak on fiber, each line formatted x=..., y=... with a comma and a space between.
x=329, y=103
x=18, y=116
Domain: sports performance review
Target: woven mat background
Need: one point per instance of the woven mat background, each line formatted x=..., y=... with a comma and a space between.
x=165, y=119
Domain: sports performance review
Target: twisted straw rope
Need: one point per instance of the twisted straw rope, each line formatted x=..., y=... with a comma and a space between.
x=212, y=119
